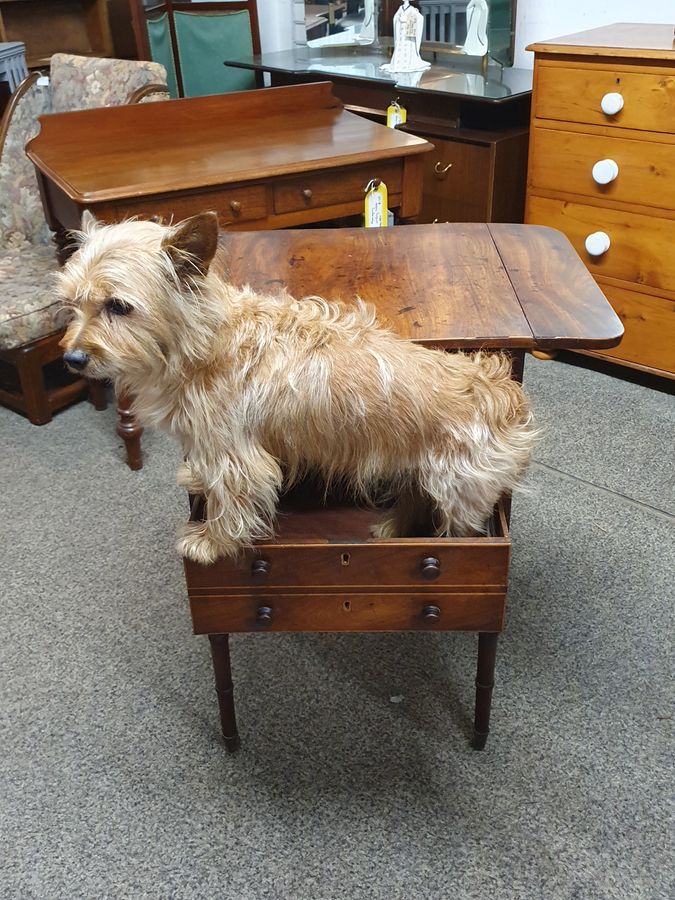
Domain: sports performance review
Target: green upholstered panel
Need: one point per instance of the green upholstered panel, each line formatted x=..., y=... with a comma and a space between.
x=205, y=41
x=160, y=49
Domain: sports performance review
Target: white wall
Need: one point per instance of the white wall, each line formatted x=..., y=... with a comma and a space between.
x=536, y=20
x=276, y=32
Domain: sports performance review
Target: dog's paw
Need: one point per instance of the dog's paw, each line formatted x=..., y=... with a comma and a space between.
x=187, y=478
x=195, y=544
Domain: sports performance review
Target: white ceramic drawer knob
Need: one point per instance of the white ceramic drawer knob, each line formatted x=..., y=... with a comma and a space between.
x=597, y=243
x=604, y=171
x=611, y=104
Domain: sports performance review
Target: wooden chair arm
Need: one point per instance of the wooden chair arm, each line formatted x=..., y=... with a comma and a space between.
x=18, y=93
x=142, y=92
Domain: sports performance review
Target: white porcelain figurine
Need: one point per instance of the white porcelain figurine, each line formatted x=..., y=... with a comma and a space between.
x=408, y=30
x=476, y=43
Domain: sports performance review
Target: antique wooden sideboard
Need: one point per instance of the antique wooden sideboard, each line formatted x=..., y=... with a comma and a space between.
x=476, y=116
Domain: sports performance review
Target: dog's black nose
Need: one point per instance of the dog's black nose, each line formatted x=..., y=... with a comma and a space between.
x=76, y=359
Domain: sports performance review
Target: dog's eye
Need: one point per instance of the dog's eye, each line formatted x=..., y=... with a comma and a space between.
x=116, y=307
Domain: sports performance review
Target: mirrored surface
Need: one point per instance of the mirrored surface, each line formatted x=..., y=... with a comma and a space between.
x=340, y=23
x=454, y=76
x=448, y=25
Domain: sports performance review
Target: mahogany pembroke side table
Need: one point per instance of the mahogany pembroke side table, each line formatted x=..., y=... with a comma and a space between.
x=469, y=286
x=273, y=158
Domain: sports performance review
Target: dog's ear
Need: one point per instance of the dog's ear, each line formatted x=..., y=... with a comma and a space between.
x=89, y=223
x=192, y=244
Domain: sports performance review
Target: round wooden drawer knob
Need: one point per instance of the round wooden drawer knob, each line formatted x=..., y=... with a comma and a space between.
x=431, y=613
x=604, y=171
x=430, y=568
x=235, y=206
x=260, y=569
x=307, y=193
x=611, y=104
x=263, y=615
x=597, y=243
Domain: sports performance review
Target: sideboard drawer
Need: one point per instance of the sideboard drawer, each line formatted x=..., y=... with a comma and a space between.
x=649, y=338
x=352, y=612
x=575, y=94
x=641, y=247
x=236, y=204
x=564, y=161
x=334, y=187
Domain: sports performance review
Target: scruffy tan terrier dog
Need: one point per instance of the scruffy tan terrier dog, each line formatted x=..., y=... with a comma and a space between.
x=262, y=389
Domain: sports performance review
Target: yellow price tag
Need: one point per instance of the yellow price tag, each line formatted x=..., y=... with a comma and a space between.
x=375, y=211
x=396, y=114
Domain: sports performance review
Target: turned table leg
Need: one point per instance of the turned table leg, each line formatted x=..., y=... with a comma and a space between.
x=487, y=654
x=130, y=432
x=220, y=652
x=97, y=394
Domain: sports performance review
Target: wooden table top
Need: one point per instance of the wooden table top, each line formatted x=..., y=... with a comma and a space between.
x=452, y=285
x=622, y=39
x=176, y=145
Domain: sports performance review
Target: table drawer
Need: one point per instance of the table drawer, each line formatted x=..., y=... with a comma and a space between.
x=345, y=566
x=564, y=161
x=334, y=187
x=574, y=95
x=238, y=204
x=352, y=612
x=641, y=247
x=329, y=549
x=649, y=338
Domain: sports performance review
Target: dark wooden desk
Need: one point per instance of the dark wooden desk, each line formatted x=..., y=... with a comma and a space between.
x=272, y=158
x=512, y=287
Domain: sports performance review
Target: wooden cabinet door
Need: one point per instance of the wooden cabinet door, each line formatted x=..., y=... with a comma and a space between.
x=457, y=182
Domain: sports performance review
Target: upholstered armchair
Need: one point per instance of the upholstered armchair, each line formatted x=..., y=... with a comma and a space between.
x=32, y=378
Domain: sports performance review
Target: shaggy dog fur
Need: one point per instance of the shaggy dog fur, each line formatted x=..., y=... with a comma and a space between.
x=262, y=389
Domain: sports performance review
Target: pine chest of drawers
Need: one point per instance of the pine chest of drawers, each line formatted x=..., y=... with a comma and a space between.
x=602, y=170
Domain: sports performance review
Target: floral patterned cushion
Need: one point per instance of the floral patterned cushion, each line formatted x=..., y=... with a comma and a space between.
x=21, y=211
x=82, y=82
x=28, y=309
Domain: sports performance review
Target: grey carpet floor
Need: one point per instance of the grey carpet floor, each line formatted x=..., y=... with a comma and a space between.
x=113, y=780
